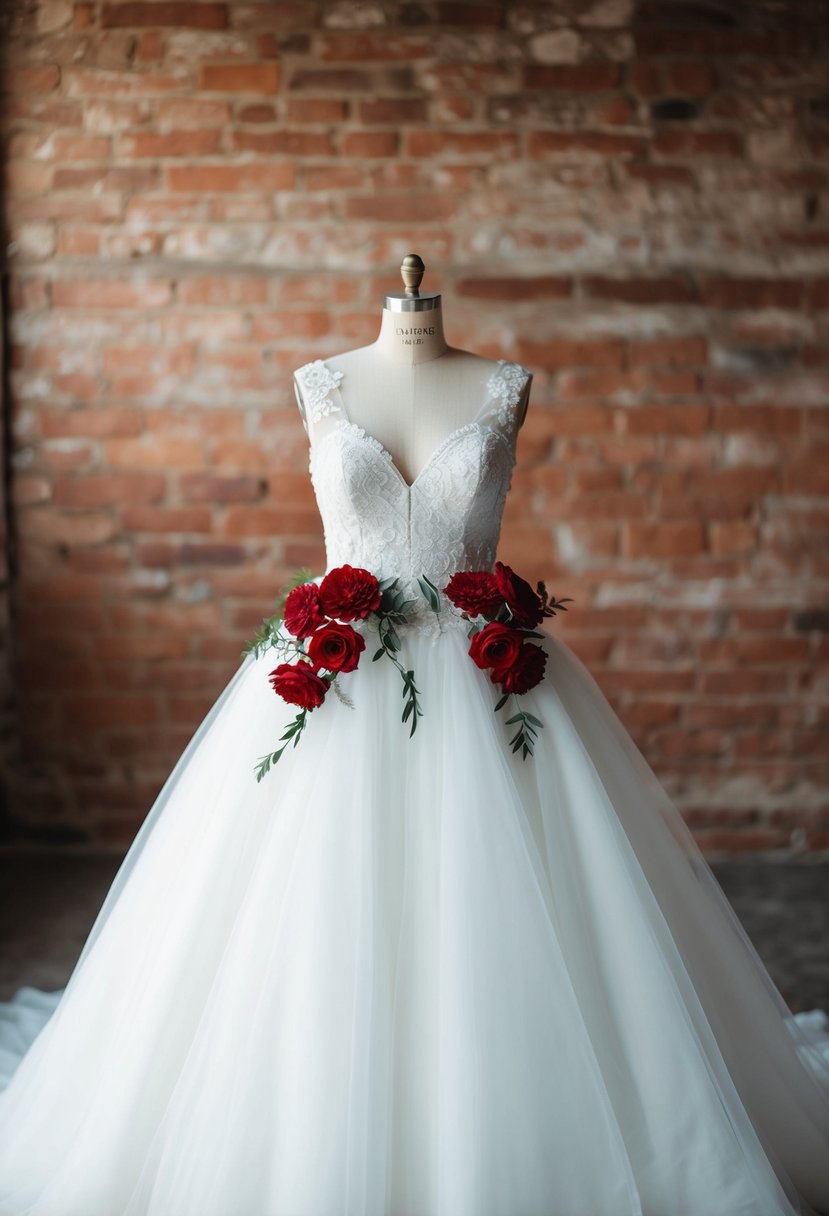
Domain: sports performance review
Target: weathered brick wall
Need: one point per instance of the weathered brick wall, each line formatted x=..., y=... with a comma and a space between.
x=629, y=198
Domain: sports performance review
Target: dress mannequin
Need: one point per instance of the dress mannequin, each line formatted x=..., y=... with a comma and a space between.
x=409, y=389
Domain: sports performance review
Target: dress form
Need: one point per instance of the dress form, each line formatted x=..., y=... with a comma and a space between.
x=409, y=389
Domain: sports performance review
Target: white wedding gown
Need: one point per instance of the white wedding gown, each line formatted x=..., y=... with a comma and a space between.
x=416, y=976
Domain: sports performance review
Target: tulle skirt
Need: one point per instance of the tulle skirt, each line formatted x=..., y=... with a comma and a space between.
x=415, y=977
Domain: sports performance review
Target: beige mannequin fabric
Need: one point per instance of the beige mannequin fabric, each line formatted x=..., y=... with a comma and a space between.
x=409, y=389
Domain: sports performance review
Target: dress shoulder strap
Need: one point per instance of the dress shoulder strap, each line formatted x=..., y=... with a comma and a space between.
x=504, y=392
x=318, y=395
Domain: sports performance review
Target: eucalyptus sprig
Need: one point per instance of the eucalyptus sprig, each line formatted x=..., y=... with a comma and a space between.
x=269, y=635
x=291, y=735
x=393, y=609
x=525, y=737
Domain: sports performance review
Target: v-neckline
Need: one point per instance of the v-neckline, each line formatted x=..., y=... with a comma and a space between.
x=473, y=424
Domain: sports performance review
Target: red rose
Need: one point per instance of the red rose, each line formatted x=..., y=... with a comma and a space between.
x=524, y=604
x=474, y=591
x=497, y=646
x=527, y=670
x=336, y=647
x=302, y=610
x=298, y=684
x=349, y=592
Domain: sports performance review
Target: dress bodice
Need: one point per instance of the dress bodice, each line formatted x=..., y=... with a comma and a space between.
x=447, y=519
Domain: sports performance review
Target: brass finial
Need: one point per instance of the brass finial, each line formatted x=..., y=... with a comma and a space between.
x=412, y=270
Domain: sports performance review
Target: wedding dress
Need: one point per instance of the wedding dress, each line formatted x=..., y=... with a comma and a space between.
x=416, y=976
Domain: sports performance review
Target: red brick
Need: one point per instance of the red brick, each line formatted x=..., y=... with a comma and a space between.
x=401, y=208
x=284, y=142
x=370, y=143
x=679, y=537
x=111, y=293
x=39, y=78
x=544, y=287
x=590, y=77
x=202, y=487
x=242, y=177
x=697, y=143
x=664, y=420
x=563, y=353
x=197, y=15
x=192, y=112
x=718, y=292
x=667, y=352
x=713, y=841
x=578, y=143
x=240, y=77
x=173, y=143
x=673, y=290
x=367, y=45
x=461, y=143
x=272, y=327
x=90, y=423
x=167, y=519
x=386, y=110
x=92, y=711
x=109, y=489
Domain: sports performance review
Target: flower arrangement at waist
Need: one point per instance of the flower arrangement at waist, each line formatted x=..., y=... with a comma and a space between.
x=504, y=611
x=324, y=645
x=314, y=635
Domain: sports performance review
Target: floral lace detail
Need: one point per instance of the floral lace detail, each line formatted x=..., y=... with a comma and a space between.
x=505, y=387
x=318, y=382
x=447, y=519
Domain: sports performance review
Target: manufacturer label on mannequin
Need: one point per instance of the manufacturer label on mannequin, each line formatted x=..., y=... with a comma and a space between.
x=413, y=335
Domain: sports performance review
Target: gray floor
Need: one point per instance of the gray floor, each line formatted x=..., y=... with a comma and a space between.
x=48, y=902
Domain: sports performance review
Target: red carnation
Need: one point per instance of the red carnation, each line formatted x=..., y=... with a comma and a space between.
x=336, y=647
x=303, y=613
x=524, y=604
x=526, y=671
x=299, y=684
x=349, y=592
x=474, y=591
x=497, y=646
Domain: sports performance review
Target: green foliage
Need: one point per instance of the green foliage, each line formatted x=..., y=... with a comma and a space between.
x=525, y=737
x=430, y=593
x=268, y=634
x=291, y=735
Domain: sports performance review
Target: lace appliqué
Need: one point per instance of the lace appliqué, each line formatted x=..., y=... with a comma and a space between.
x=318, y=383
x=504, y=388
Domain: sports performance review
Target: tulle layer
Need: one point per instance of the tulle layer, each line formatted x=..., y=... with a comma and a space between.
x=417, y=977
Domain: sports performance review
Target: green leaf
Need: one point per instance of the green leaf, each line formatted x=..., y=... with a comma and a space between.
x=502, y=702
x=430, y=593
x=531, y=718
x=379, y=654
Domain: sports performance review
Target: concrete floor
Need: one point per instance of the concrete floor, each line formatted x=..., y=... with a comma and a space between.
x=48, y=901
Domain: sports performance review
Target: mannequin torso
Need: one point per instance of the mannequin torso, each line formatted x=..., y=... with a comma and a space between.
x=409, y=389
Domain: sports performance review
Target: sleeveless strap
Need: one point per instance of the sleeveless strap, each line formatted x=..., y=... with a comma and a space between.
x=319, y=387
x=504, y=391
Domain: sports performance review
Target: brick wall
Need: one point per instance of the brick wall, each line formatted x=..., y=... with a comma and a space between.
x=629, y=198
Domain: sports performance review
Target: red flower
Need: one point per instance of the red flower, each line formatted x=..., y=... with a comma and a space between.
x=336, y=647
x=302, y=610
x=474, y=591
x=349, y=592
x=526, y=671
x=298, y=684
x=524, y=604
x=497, y=646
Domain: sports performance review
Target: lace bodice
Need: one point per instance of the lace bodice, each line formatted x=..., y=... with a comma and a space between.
x=447, y=519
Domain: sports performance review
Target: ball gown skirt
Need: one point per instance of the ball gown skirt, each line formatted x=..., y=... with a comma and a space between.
x=416, y=976
x=411, y=977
